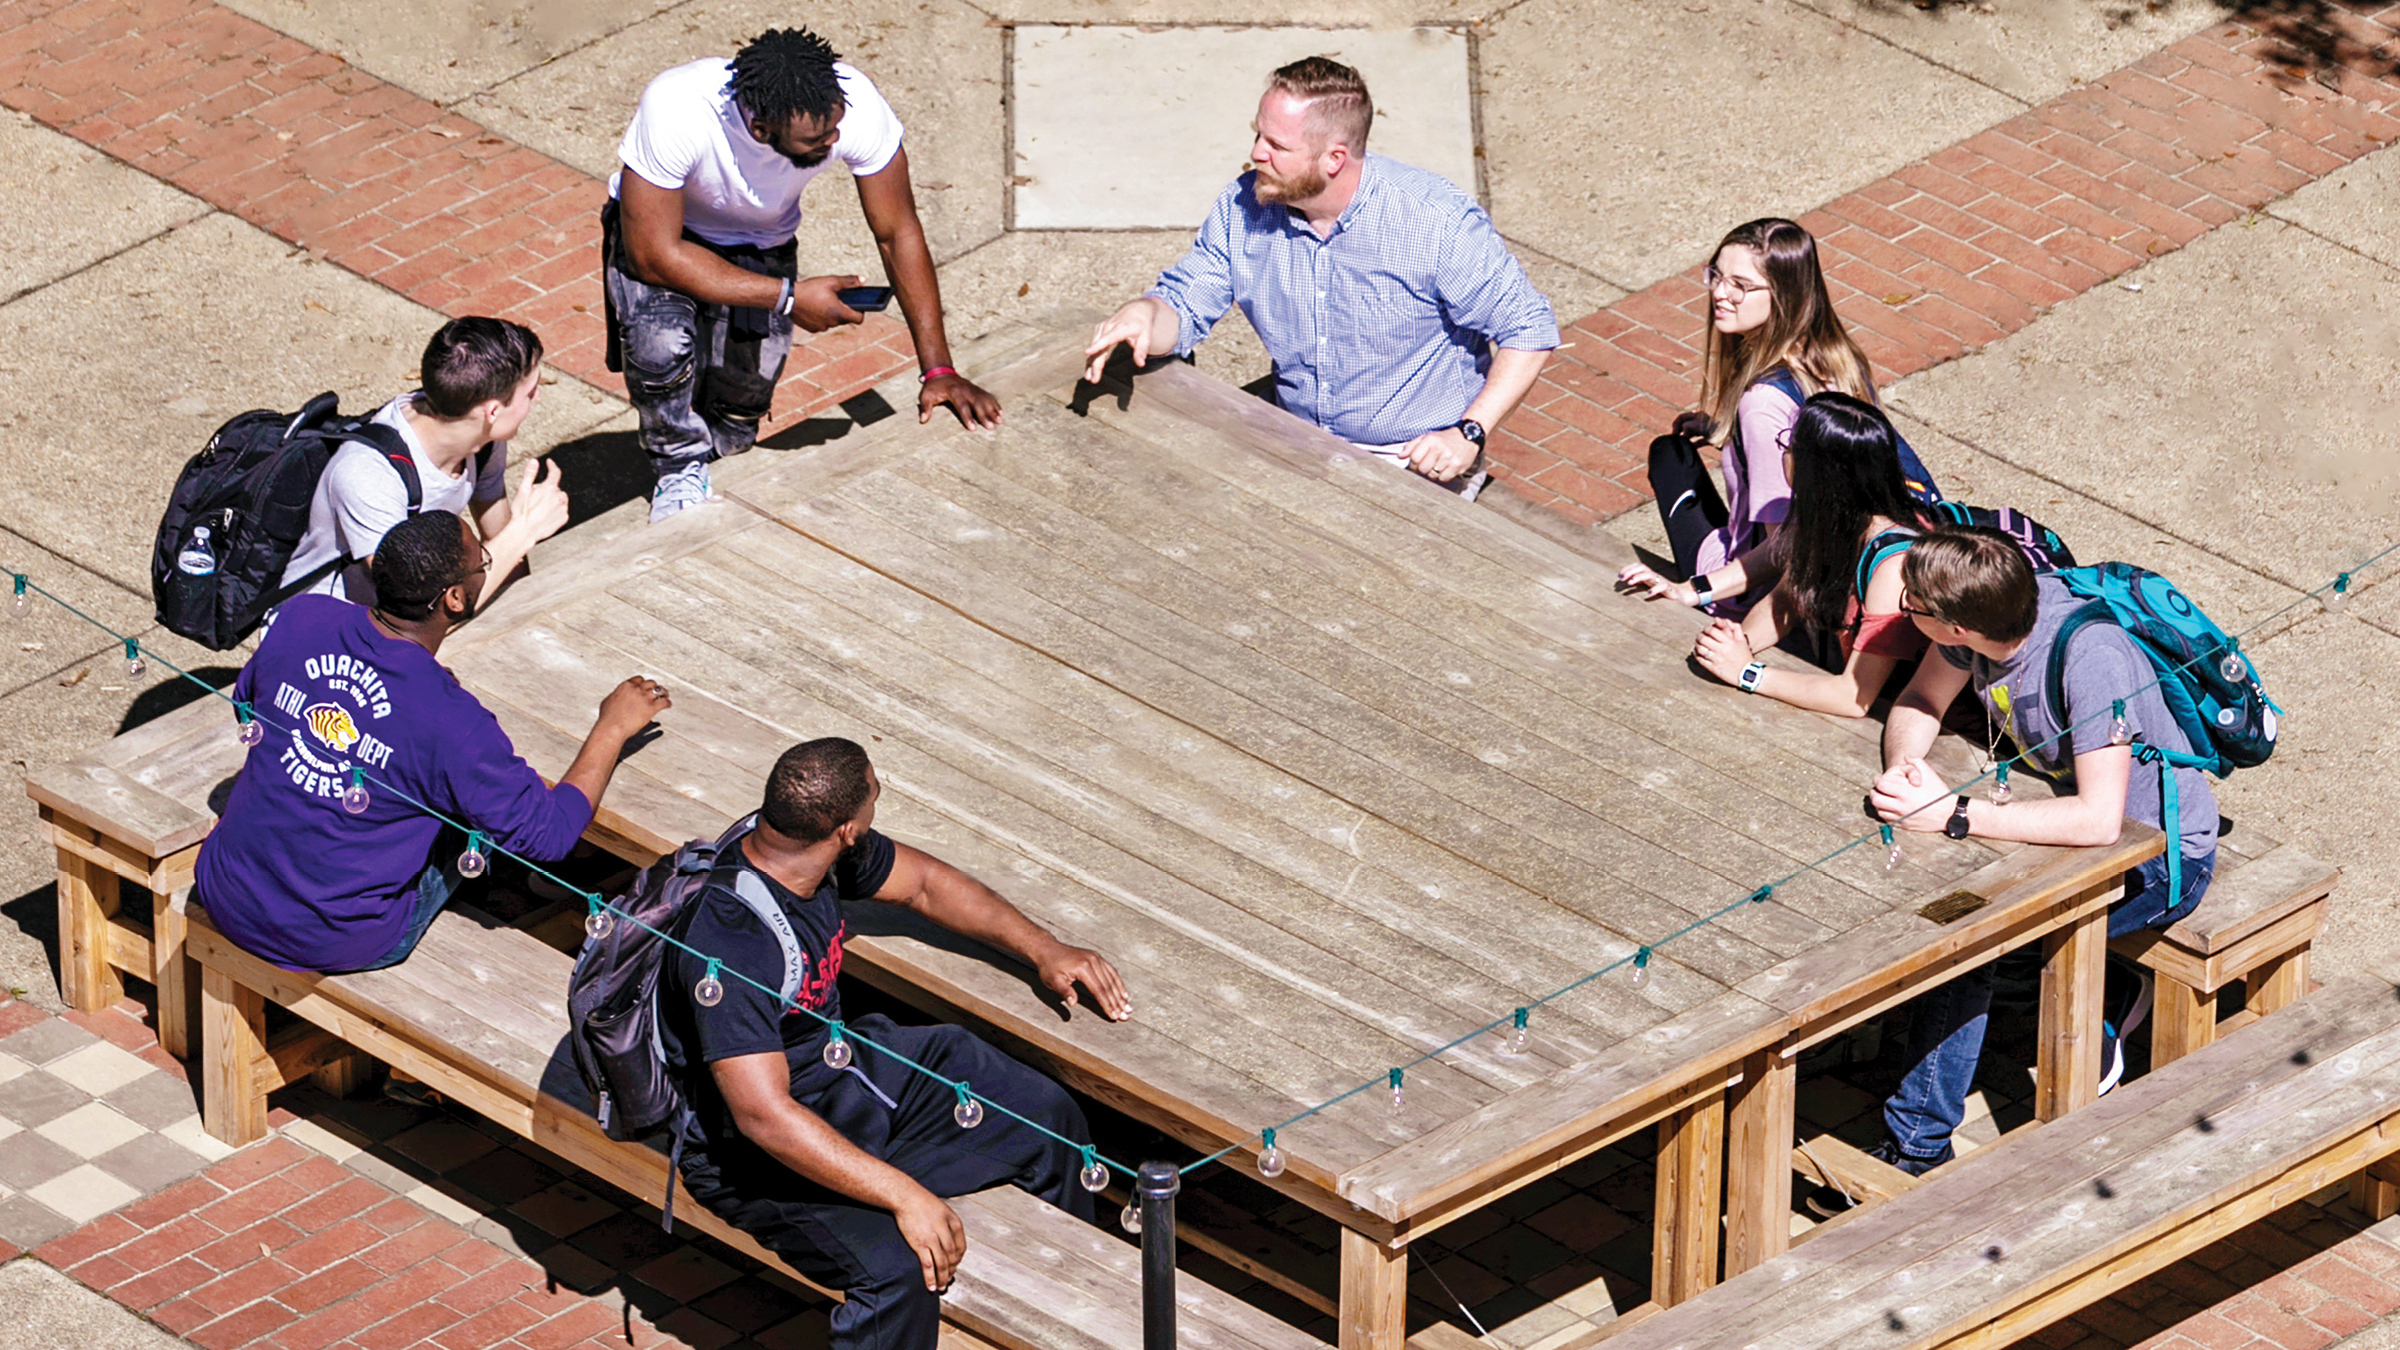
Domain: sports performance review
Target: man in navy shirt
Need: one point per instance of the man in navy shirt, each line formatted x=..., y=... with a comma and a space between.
x=842, y=1169
x=293, y=876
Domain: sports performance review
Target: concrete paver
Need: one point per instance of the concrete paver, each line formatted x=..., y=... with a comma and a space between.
x=1689, y=119
x=40, y=243
x=448, y=50
x=1137, y=127
x=2028, y=49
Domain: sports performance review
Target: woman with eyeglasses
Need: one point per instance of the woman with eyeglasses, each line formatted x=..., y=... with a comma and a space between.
x=1773, y=340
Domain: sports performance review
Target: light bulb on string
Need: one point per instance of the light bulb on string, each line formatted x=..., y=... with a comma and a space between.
x=1270, y=1158
x=249, y=730
x=2120, y=731
x=969, y=1112
x=2001, y=791
x=1131, y=1219
x=1641, y=967
x=2337, y=599
x=472, y=860
x=2232, y=667
x=837, y=1050
x=355, y=798
x=1517, y=1037
x=1095, y=1172
x=1399, y=1096
x=597, y=923
x=710, y=991
x=135, y=666
x=1891, y=842
x=22, y=605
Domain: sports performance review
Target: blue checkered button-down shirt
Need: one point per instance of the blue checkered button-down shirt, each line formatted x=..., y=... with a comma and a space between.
x=1381, y=331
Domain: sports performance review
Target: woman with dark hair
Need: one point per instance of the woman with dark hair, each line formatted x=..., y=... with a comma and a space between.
x=1773, y=340
x=1851, y=514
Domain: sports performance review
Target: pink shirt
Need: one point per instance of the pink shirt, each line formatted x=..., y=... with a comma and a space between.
x=1757, y=494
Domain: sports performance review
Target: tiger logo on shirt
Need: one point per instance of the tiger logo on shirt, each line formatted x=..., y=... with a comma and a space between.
x=332, y=724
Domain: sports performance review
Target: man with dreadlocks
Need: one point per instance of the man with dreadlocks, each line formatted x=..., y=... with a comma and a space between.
x=700, y=259
x=308, y=875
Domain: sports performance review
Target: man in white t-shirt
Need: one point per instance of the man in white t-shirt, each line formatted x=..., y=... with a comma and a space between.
x=701, y=261
x=479, y=379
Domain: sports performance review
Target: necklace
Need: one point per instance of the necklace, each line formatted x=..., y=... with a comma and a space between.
x=1991, y=757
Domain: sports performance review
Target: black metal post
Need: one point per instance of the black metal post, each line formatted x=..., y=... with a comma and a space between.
x=1155, y=1192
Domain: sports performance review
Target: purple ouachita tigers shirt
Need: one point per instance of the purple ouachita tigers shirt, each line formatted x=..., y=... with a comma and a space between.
x=292, y=876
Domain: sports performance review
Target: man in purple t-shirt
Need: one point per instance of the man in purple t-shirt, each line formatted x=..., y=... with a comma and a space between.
x=294, y=876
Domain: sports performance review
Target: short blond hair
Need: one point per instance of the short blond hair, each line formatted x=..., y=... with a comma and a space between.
x=1338, y=104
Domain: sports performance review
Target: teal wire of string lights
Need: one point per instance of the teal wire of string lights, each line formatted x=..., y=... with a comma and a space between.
x=1638, y=959
x=970, y=1103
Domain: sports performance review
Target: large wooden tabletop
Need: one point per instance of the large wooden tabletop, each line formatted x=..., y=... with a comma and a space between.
x=1335, y=768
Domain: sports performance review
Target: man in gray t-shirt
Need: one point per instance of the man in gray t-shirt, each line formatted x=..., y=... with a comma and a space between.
x=480, y=378
x=1995, y=626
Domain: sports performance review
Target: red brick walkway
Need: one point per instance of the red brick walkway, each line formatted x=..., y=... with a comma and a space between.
x=1973, y=243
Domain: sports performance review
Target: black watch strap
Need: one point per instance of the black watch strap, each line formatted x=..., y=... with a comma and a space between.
x=1956, y=827
x=1472, y=430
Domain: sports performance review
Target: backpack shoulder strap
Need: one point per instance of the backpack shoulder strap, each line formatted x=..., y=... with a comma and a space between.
x=2054, y=683
x=1880, y=547
x=394, y=450
x=752, y=892
x=1784, y=382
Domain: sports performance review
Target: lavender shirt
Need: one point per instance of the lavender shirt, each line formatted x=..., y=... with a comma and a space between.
x=1757, y=493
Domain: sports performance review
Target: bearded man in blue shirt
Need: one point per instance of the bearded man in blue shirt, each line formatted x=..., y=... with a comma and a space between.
x=1396, y=317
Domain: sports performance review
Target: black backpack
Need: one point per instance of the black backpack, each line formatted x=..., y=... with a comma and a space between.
x=239, y=509
x=612, y=997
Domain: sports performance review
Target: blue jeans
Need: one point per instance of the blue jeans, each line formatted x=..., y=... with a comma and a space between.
x=435, y=886
x=1946, y=1033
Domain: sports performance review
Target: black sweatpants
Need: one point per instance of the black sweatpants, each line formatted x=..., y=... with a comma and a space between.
x=1688, y=502
x=904, y=1118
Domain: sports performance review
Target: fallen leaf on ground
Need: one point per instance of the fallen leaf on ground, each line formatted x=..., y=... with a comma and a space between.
x=70, y=681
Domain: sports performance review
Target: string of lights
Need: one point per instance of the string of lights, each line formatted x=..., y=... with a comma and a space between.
x=602, y=913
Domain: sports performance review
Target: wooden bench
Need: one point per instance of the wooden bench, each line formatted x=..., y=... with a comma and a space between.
x=2018, y=1235
x=479, y=1013
x=2256, y=925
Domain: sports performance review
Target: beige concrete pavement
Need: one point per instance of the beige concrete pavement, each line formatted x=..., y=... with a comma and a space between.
x=37, y=1300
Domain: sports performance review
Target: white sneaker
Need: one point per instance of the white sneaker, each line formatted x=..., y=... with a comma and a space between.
x=680, y=489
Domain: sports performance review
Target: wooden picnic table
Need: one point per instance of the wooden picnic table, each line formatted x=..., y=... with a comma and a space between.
x=1335, y=767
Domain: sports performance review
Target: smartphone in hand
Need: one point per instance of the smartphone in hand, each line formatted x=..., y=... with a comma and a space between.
x=865, y=299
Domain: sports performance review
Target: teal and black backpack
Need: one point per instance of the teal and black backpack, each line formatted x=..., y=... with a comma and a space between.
x=2206, y=681
x=2041, y=545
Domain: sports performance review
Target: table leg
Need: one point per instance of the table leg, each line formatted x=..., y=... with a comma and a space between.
x=1374, y=1294
x=2074, y=970
x=87, y=901
x=1691, y=1148
x=1761, y=1121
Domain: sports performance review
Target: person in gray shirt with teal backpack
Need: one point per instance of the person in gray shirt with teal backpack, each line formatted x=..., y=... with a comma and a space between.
x=2113, y=685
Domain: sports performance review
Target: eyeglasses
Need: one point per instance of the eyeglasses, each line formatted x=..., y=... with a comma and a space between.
x=1918, y=613
x=1742, y=290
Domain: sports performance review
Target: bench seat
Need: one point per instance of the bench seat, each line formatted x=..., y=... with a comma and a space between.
x=2256, y=926
x=479, y=1013
x=2003, y=1242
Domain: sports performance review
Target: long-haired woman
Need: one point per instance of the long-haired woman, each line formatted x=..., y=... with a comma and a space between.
x=1850, y=510
x=1773, y=340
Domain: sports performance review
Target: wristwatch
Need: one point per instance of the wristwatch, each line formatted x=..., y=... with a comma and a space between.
x=1956, y=826
x=1472, y=430
x=1751, y=675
